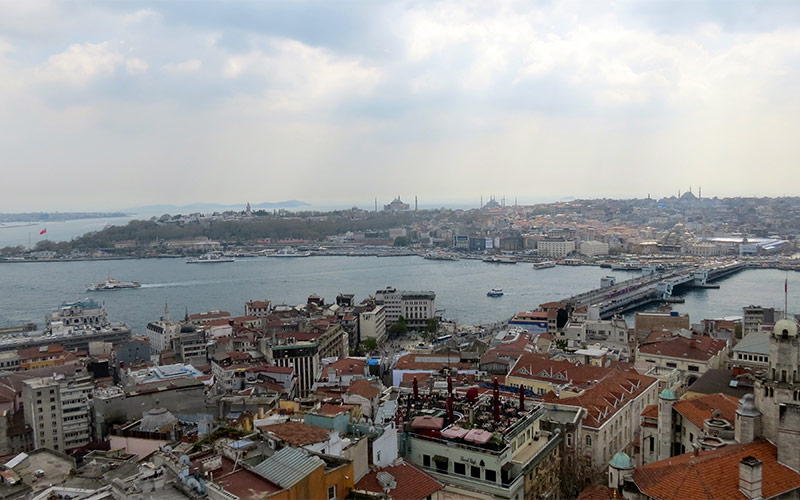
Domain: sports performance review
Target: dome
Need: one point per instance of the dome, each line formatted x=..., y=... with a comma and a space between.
x=158, y=420
x=621, y=461
x=785, y=327
x=668, y=394
x=188, y=328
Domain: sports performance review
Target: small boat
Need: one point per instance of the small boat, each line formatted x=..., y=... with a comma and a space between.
x=495, y=292
x=547, y=264
x=112, y=284
x=210, y=258
x=289, y=252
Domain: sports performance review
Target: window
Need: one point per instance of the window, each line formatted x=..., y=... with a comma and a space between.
x=426, y=460
x=475, y=472
x=491, y=475
x=569, y=439
x=694, y=368
x=588, y=440
x=378, y=456
x=671, y=365
x=652, y=444
x=460, y=468
x=331, y=492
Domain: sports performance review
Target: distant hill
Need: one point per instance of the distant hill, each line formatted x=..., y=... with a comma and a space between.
x=204, y=207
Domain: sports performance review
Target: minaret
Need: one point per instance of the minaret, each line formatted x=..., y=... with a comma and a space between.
x=478, y=207
x=166, y=311
x=700, y=191
x=376, y=204
x=415, y=203
x=666, y=399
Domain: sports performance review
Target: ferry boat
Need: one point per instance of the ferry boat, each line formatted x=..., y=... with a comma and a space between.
x=439, y=256
x=495, y=292
x=628, y=265
x=495, y=259
x=547, y=264
x=112, y=284
x=290, y=252
x=210, y=258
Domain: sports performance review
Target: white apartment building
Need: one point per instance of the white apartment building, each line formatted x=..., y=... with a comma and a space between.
x=555, y=247
x=417, y=308
x=372, y=324
x=160, y=333
x=592, y=248
x=58, y=411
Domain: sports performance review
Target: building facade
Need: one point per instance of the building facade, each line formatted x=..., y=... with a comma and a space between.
x=59, y=411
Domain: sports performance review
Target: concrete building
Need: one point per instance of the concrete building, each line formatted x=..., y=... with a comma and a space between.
x=417, y=308
x=593, y=248
x=556, y=247
x=644, y=323
x=257, y=308
x=59, y=410
x=372, y=324
x=160, y=333
x=752, y=352
x=689, y=353
x=755, y=316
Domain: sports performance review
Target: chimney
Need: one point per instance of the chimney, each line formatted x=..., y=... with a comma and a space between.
x=750, y=478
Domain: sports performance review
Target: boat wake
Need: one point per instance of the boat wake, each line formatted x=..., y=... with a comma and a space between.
x=183, y=283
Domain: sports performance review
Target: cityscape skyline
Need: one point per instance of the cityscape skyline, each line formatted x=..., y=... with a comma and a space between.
x=443, y=100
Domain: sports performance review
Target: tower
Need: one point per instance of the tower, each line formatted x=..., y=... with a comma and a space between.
x=415, y=203
x=666, y=399
x=748, y=420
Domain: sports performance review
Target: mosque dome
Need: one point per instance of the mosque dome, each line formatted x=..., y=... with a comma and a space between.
x=158, y=420
x=667, y=394
x=785, y=328
x=621, y=460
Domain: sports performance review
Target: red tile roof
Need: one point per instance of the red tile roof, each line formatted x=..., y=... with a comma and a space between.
x=348, y=366
x=603, y=399
x=698, y=348
x=364, y=387
x=714, y=474
x=246, y=485
x=597, y=492
x=650, y=411
x=698, y=409
x=539, y=367
x=429, y=362
x=329, y=409
x=412, y=483
x=297, y=433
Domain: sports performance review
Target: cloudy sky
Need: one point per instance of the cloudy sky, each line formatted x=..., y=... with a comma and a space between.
x=120, y=104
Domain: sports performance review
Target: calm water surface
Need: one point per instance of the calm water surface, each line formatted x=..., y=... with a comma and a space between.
x=29, y=290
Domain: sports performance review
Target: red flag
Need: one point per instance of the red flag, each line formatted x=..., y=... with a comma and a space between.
x=43, y=231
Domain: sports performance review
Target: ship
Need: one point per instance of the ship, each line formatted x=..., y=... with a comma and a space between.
x=112, y=284
x=290, y=252
x=547, y=264
x=439, y=256
x=628, y=265
x=210, y=258
x=500, y=260
x=495, y=292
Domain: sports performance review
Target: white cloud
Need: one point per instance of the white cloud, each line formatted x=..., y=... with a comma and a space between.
x=80, y=63
x=188, y=66
x=135, y=66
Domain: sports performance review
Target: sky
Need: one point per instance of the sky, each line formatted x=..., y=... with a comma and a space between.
x=122, y=104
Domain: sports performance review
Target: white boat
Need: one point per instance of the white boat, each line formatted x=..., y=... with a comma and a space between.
x=112, y=284
x=290, y=252
x=210, y=258
x=495, y=292
x=439, y=256
x=544, y=264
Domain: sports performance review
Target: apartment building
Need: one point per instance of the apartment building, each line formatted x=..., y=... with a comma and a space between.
x=417, y=308
x=372, y=324
x=555, y=247
x=58, y=409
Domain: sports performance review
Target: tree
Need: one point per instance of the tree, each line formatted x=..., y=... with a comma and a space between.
x=401, y=241
x=399, y=328
x=432, y=326
x=370, y=344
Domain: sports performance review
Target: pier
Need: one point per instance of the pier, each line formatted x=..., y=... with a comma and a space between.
x=651, y=287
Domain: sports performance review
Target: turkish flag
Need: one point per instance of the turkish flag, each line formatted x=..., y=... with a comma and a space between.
x=43, y=231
